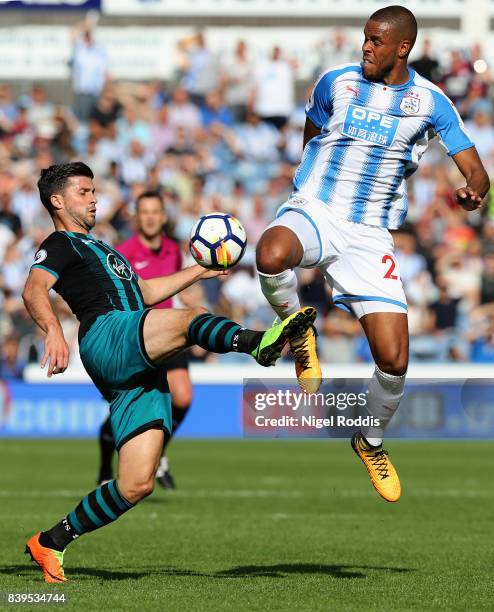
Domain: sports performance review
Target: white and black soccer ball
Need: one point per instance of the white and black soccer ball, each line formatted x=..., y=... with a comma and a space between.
x=217, y=241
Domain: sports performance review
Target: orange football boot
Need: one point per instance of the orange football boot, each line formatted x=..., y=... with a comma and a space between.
x=382, y=473
x=49, y=560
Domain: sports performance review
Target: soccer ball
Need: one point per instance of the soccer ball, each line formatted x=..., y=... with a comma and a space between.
x=217, y=241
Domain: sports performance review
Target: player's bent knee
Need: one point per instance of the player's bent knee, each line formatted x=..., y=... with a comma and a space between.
x=273, y=258
x=191, y=314
x=136, y=491
x=394, y=366
x=146, y=488
x=182, y=400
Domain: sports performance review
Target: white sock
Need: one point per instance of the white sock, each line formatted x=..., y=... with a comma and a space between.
x=383, y=398
x=163, y=467
x=280, y=290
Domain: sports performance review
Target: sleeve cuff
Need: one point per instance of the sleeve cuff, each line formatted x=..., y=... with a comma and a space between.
x=460, y=149
x=47, y=269
x=314, y=120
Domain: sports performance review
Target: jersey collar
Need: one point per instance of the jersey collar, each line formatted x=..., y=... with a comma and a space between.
x=407, y=85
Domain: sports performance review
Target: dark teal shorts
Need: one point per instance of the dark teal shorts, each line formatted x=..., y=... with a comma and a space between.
x=113, y=353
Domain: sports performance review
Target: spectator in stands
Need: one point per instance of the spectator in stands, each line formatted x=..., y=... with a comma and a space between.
x=258, y=139
x=481, y=130
x=475, y=94
x=237, y=80
x=7, y=237
x=40, y=111
x=456, y=81
x=481, y=335
x=10, y=367
x=256, y=222
x=200, y=67
x=486, y=289
x=108, y=146
x=96, y=160
x=14, y=270
x=131, y=127
x=293, y=138
x=410, y=262
x=136, y=163
x=183, y=112
x=423, y=191
x=445, y=309
x=162, y=132
x=336, y=49
x=8, y=217
x=274, y=89
x=8, y=108
x=105, y=112
x=25, y=200
x=215, y=111
x=62, y=142
x=427, y=65
x=462, y=281
x=89, y=70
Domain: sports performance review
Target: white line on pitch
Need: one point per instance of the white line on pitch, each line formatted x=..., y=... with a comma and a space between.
x=252, y=493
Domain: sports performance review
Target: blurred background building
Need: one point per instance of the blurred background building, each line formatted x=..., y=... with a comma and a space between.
x=203, y=101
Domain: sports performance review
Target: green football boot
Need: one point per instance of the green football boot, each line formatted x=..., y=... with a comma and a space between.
x=272, y=342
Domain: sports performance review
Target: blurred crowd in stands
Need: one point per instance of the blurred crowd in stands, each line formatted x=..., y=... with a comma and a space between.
x=226, y=135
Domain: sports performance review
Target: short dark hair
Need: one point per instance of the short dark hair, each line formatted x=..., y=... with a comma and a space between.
x=402, y=19
x=54, y=180
x=150, y=194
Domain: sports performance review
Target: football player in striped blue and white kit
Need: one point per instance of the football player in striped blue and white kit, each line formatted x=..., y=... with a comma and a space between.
x=367, y=126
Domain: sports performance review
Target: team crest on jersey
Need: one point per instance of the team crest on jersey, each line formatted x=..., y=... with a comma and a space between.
x=118, y=267
x=40, y=256
x=410, y=104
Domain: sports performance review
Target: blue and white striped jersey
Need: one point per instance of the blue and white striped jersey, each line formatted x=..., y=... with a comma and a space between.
x=372, y=137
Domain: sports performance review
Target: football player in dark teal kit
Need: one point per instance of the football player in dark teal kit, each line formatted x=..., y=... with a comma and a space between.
x=123, y=344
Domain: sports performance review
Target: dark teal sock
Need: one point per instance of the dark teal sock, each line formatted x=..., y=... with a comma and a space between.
x=216, y=334
x=97, y=509
x=100, y=507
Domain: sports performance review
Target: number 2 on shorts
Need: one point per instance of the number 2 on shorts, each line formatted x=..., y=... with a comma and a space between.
x=389, y=272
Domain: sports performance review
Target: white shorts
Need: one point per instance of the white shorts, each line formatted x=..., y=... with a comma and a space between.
x=357, y=260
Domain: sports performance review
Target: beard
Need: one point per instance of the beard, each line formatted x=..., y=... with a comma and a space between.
x=87, y=221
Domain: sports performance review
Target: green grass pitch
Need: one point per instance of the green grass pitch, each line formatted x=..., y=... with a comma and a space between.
x=263, y=525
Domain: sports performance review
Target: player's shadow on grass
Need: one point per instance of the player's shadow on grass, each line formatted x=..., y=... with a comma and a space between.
x=281, y=570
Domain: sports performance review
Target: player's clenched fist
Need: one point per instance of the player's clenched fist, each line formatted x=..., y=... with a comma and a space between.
x=56, y=353
x=468, y=198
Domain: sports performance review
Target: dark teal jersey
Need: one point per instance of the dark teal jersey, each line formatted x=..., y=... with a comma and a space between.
x=91, y=277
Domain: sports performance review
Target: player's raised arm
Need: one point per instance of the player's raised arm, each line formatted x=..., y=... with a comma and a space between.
x=37, y=302
x=470, y=165
x=155, y=290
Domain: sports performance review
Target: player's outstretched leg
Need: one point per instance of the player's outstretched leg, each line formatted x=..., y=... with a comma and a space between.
x=138, y=460
x=167, y=331
x=387, y=333
x=279, y=251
